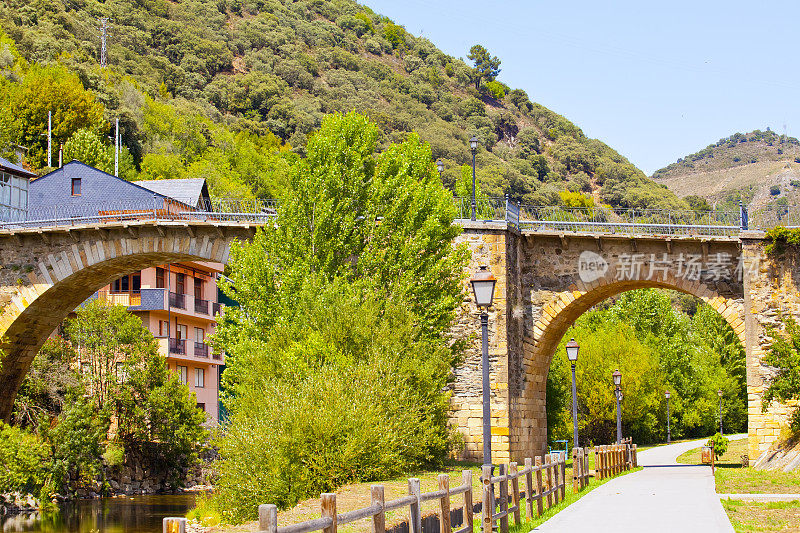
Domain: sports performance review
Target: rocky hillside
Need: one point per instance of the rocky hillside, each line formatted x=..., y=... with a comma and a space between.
x=202, y=85
x=761, y=168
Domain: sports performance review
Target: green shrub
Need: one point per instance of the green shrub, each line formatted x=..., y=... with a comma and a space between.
x=775, y=190
x=720, y=444
x=496, y=89
x=23, y=461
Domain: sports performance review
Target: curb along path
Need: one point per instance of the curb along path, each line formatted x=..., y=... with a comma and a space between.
x=665, y=496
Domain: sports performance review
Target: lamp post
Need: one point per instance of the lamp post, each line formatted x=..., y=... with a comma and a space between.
x=719, y=393
x=667, y=395
x=572, y=355
x=473, y=145
x=440, y=167
x=483, y=288
x=617, y=375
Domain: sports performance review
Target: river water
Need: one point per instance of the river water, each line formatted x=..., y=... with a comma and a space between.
x=133, y=514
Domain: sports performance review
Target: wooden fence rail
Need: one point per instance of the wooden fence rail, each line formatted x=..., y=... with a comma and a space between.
x=544, y=481
x=614, y=459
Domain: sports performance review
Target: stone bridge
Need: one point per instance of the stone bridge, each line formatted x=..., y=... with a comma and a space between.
x=46, y=273
x=546, y=280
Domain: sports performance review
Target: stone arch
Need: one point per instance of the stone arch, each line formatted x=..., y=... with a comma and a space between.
x=54, y=273
x=527, y=413
x=559, y=314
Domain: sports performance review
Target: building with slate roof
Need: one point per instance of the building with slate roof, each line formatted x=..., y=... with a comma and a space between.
x=178, y=302
x=14, y=187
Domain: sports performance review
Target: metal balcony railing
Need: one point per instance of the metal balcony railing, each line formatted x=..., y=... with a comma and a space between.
x=200, y=350
x=217, y=309
x=177, y=346
x=177, y=300
x=201, y=306
x=216, y=356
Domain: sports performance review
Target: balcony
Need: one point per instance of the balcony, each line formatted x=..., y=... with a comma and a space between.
x=217, y=356
x=201, y=306
x=201, y=350
x=128, y=299
x=177, y=346
x=217, y=309
x=177, y=300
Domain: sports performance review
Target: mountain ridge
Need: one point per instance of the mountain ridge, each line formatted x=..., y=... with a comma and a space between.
x=261, y=67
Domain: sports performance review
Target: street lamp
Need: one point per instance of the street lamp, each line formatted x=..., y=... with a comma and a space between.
x=440, y=167
x=473, y=145
x=572, y=355
x=719, y=393
x=667, y=395
x=617, y=375
x=483, y=288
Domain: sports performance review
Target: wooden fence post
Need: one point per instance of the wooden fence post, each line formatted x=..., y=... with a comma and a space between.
x=268, y=518
x=513, y=471
x=554, y=462
x=379, y=519
x=502, y=471
x=444, y=504
x=635, y=457
x=563, y=474
x=487, y=499
x=466, y=478
x=539, y=502
x=174, y=525
x=549, y=471
x=529, y=486
x=328, y=506
x=415, y=509
x=575, y=470
x=585, y=467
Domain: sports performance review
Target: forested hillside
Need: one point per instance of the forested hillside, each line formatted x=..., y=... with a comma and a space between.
x=761, y=168
x=229, y=89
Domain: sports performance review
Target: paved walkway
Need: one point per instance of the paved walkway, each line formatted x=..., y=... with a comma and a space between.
x=665, y=496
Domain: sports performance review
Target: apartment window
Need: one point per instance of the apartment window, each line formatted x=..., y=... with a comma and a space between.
x=183, y=374
x=131, y=283
x=76, y=186
x=163, y=328
x=181, y=331
x=160, y=279
x=202, y=407
x=199, y=377
x=198, y=289
x=180, y=283
x=199, y=335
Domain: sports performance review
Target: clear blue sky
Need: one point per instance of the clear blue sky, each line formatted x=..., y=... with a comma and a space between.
x=655, y=81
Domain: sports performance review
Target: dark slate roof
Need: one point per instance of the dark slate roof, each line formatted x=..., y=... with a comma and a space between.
x=189, y=190
x=15, y=169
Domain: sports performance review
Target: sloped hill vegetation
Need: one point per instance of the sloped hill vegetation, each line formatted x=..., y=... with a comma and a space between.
x=216, y=89
x=760, y=168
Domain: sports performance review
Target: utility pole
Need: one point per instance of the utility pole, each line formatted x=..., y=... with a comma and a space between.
x=116, y=149
x=49, y=138
x=104, y=25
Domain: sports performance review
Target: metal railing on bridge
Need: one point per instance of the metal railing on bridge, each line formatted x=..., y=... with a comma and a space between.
x=614, y=220
x=155, y=209
x=605, y=220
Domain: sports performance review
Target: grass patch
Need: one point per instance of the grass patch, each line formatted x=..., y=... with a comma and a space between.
x=731, y=478
x=747, y=517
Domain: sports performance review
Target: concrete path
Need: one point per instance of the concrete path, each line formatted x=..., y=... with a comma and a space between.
x=665, y=496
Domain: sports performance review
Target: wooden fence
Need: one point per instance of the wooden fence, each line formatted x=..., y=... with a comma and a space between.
x=544, y=480
x=614, y=459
